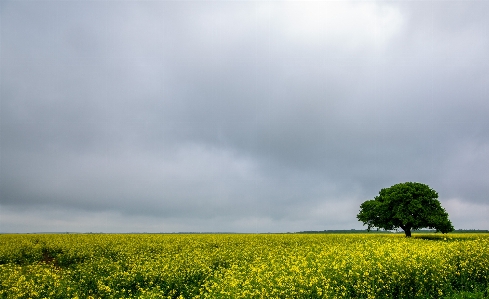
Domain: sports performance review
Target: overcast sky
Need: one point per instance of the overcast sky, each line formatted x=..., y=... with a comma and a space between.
x=238, y=116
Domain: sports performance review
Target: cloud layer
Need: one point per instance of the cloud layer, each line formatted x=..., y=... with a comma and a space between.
x=238, y=116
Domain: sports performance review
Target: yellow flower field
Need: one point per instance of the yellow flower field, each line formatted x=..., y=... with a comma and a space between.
x=243, y=266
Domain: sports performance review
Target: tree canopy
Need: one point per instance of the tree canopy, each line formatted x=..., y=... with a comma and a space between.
x=409, y=206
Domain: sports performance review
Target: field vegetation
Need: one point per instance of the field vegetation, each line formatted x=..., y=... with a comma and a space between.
x=244, y=266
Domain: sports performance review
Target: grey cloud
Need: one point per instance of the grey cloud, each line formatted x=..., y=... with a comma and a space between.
x=248, y=116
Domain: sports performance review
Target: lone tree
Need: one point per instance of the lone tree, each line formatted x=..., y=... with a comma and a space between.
x=408, y=206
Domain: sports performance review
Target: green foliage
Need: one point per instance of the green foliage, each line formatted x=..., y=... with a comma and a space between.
x=469, y=295
x=409, y=206
x=244, y=266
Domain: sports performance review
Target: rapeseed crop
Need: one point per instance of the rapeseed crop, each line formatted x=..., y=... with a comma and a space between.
x=243, y=266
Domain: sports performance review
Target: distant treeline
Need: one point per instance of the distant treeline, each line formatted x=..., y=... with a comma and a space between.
x=460, y=231
x=345, y=231
x=328, y=231
x=364, y=231
x=457, y=231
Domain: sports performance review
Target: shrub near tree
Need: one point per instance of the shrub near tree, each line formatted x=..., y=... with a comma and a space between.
x=409, y=206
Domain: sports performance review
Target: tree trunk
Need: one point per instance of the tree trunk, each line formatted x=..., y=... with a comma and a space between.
x=407, y=230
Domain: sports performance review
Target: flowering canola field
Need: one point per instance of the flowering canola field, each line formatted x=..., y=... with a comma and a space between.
x=243, y=266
